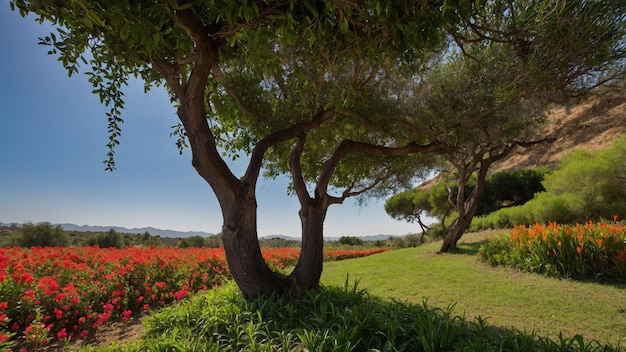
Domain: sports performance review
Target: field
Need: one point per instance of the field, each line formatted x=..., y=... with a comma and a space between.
x=49, y=294
x=505, y=297
x=67, y=298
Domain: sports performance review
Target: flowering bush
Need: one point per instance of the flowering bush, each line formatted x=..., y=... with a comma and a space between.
x=63, y=293
x=339, y=254
x=589, y=251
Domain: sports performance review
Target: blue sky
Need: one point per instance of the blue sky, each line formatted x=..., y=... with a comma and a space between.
x=52, y=144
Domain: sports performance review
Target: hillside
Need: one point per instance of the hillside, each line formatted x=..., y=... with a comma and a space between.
x=592, y=125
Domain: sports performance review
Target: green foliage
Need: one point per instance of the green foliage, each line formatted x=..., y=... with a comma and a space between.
x=42, y=234
x=110, y=239
x=585, y=186
x=510, y=188
x=350, y=240
x=590, y=251
x=192, y=241
x=502, y=189
x=214, y=241
x=330, y=319
x=279, y=242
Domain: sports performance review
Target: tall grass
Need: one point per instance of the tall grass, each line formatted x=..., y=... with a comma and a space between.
x=330, y=319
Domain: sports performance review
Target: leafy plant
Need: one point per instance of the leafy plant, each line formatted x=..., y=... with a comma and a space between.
x=591, y=251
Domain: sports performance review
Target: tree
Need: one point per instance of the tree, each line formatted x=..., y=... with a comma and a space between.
x=42, y=234
x=354, y=154
x=502, y=189
x=180, y=45
x=109, y=239
x=350, y=241
x=510, y=62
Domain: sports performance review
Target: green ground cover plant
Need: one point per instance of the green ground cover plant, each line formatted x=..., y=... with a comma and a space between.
x=330, y=319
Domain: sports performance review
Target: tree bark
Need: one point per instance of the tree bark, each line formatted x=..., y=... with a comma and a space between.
x=466, y=208
x=308, y=270
x=243, y=253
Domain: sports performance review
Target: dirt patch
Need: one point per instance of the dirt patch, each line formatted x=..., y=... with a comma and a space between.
x=592, y=125
x=118, y=332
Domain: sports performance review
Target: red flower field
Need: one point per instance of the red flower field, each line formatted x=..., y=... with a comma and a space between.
x=62, y=293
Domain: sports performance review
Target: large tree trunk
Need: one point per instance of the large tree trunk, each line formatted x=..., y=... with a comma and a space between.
x=237, y=201
x=308, y=270
x=243, y=253
x=453, y=236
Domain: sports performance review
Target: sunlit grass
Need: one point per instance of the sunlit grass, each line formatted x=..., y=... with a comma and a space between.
x=503, y=296
x=331, y=319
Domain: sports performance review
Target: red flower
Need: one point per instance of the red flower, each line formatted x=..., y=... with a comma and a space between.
x=62, y=334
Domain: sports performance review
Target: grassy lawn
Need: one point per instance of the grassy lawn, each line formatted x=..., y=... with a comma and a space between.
x=504, y=297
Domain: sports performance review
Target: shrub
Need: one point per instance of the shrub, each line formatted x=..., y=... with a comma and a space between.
x=591, y=251
x=350, y=240
x=43, y=234
x=585, y=187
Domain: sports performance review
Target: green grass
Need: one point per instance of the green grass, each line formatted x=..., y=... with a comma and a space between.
x=504, y=297
x=331, y=319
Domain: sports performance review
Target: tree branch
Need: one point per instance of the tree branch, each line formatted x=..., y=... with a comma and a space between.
x=295, y=168
x=349, y=146
x=256, y=160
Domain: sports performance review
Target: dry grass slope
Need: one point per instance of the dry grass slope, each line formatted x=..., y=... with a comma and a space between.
x=592, y=125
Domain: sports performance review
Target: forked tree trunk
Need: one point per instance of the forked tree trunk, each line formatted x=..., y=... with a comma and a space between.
x=308, y=270
x=466, y=209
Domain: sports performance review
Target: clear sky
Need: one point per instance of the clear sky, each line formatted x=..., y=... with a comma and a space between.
x=52, y=147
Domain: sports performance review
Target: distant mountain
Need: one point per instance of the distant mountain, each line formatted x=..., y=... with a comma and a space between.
x=331, y=239
x=183, y=234
x=151, y=230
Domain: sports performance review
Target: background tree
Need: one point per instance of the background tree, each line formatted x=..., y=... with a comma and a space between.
x=42, y=234
x=511, y=61
x=180, y=45
x=109, y=239
x=430, y=201
x=350, y=241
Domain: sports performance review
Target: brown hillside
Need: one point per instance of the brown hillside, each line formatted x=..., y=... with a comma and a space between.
x=592, y=125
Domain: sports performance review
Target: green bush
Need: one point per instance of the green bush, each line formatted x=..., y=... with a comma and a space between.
x=110, y=239
x=585, y=187
x=350, y=241
x=42, y=234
